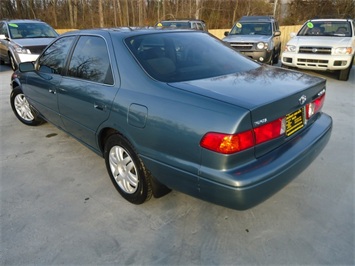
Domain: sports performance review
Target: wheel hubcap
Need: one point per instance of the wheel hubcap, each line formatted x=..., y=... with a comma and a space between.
x=23, y=108
x=123, y=169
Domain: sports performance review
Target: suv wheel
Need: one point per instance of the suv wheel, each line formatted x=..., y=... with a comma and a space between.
x=12, y=62
x=344, y=74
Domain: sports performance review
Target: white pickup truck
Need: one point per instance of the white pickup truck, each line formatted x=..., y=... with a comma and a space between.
x=322, y=44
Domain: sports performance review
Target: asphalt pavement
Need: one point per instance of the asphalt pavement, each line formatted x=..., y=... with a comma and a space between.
x=59, y=207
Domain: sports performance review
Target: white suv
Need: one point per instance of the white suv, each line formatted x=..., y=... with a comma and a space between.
x=322, y=44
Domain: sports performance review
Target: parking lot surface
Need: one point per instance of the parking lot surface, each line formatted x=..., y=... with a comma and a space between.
x=58, y=205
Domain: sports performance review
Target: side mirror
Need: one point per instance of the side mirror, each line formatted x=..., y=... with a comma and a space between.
x=292, y=34
x=277, y=33
x=226, y=33
x=26, y=67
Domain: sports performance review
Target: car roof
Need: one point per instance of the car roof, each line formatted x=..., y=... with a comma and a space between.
x=182, y=20
x=127, y=31
x=23, y=21
x=331, y=19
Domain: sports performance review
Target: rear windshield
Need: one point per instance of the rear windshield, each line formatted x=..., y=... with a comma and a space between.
x=176, y=24
x=326, y=28
x=182, y=56
x=31, y=30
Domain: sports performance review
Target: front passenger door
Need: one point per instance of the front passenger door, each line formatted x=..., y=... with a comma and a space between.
x=42, y=85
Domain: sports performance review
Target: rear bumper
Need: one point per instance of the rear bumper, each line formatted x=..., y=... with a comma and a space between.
x=256, y=181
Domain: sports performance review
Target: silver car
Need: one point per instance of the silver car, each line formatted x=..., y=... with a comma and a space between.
x=23, y=40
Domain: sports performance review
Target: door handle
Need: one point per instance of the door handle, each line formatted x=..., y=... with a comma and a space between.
x=100, y=107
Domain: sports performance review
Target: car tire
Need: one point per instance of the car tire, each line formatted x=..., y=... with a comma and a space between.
x=23, y=110
x=344, y=74
x=12, y=62
x=276, y=58
x=126, y=170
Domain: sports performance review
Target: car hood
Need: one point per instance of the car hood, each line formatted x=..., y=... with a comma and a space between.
x=247, y=38
x=32, y=41
x=264, y=88
x=320, y=41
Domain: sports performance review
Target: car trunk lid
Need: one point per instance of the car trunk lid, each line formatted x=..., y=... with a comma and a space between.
x=268, y=92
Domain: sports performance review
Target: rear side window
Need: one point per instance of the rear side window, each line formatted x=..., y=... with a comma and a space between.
x=91, y=61
x=53, y=59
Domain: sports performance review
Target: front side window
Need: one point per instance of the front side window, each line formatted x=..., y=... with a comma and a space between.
x=53, y=59
x=91, y=61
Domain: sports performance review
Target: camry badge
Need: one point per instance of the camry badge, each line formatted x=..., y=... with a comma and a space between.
x=302, y=100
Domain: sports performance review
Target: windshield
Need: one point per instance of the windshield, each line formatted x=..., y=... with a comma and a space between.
x=31, y=30
x=182, y=56
x=326, y=28
x=251, y=28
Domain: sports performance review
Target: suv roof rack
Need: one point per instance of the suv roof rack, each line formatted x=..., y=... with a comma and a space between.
x=254, y=18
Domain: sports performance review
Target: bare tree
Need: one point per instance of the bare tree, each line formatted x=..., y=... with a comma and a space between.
x=101, y=14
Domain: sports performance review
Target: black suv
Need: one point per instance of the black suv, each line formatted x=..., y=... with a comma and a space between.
x=257, y=37
x=194, y=24
x=23, y=40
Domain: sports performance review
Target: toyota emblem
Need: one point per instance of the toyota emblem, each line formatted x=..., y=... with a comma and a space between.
x=302, y=100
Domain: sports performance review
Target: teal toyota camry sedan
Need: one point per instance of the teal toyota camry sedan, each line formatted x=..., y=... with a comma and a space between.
x=176, y=109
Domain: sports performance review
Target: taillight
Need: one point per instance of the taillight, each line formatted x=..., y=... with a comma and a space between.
x=227, y=143
x=313, y=107
x=232, y=143
x=270, y=130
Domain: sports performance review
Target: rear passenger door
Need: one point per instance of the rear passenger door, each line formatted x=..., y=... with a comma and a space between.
x=87, y=89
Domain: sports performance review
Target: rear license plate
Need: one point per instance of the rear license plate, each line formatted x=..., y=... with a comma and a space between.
x=294, y=122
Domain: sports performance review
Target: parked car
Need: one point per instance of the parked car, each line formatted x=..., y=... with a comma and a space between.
x=322, y=44
x=257, y=37
x=23, y=40
x=195, y=24
x=176, y=110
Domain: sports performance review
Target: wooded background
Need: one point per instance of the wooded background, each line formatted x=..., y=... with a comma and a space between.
x=218, y=14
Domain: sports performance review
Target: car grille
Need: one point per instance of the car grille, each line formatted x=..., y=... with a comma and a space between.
x=312, y=63
x=242, y=46
x=315, y=50
x=36, y=49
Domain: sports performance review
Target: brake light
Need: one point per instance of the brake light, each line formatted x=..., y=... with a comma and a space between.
x=228, y=143
x=270, y=130
x=232, y=143
x=314, y=107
